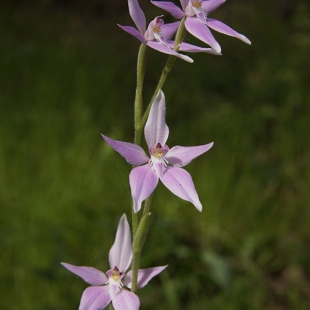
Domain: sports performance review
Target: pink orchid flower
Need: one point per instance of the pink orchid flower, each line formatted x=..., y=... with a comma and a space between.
x=110, y=286
x=197, y=21
x=163, y=163
x=156, y=35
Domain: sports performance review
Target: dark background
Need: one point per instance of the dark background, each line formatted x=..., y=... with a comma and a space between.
x=68, y=74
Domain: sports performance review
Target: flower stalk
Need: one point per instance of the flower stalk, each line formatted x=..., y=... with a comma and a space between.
x=138, y=243
x=181, y=33
x=138, y=106
x=138, y=110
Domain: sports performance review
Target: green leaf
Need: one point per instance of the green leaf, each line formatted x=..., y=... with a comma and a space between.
x=218, y=267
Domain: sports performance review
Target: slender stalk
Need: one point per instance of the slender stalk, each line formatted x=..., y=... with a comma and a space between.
x=134, y=222
x=138, y=244
x=147, y=205
x=135, y=267
x=141, y=63
x=138, y=110
x=166, y=70
x=140, y=229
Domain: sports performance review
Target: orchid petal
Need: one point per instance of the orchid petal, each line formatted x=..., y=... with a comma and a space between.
x=95, y=298
x=180, y=156
x=190, y=48
x=143, y=181
x=156, y=129
x=201, y=31
x=223, y=28
x=90, y=275
x=134, y=154
x=120, y=255
x=180, y=183
x=159, y=167
x=113, y=287
x=125, y=300
x=167, y=50
x=144, y=276
x=137, y=15
x=170, y=7
x=168, y=30
x=184, y=4
x=134, y=32
x=211, y=5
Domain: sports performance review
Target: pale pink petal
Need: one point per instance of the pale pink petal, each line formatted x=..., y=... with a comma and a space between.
x=134, y=32
x=158, y=46
x=113, y=287
x=170, y=7
x=134, y=154
x=168, y=30
x=184, y=4
x=159, y=166
x=190, y=48
x=201, y=31
x=180, y=183
x=143, y=181
x=137, y=15
x=126, y=300
x=223, y=28
x=90, y=275
x=156, y=129
x=211, y=5
x=144, y=276
x=180, y=156
x=95, y=298
x=120, y=255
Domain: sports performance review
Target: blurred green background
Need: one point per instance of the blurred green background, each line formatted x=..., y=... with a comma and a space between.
x=68, y=74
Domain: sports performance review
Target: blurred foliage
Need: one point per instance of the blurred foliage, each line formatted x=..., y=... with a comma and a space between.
x=68, y=74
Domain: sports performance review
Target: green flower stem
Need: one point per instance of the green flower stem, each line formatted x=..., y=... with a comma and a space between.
x=147, y=205
x=140, y=229
x=169, y=64
x=134, y=222
x=138, y=111
x=138, y=243
x=141, y=64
